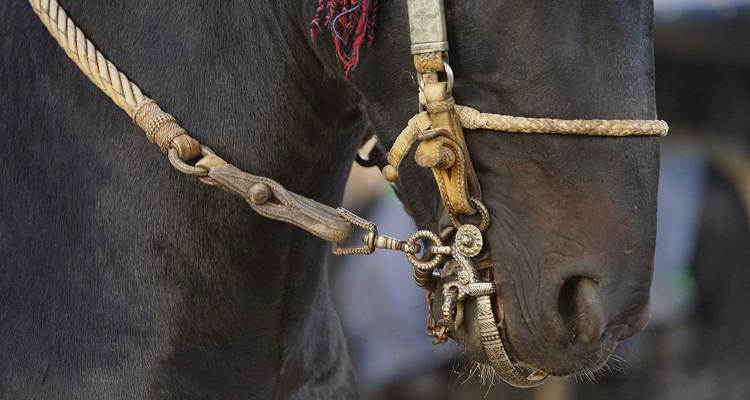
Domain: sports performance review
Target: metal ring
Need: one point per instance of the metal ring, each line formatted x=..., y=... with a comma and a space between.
x=366, y=163
x=417, y=263
x=449, y=74
x=420, y=83
x=186, y=168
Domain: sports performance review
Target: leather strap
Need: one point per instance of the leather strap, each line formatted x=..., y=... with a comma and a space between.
x=446, y=154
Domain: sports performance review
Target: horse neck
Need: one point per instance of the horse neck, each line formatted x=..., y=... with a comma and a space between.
x=225, y=290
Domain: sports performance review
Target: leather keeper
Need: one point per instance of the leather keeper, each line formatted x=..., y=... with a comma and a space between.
x=428, y=62
x=446, y=154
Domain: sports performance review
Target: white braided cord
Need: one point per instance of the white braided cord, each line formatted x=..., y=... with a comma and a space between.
x=84, y=54
x=474, y=119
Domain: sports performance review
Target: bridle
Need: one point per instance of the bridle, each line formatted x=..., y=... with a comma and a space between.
x=442, y=148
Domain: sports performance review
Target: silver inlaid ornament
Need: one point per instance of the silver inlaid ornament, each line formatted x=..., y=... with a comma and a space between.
x=469, y=240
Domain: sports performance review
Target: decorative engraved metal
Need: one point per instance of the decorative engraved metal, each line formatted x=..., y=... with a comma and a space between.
x=372, y=240
x=360, y=222
x=495, y=350
x=467, y=283
x=430, y=264
x=469, y=240
x=483, y=213
x=449, y=307
x=427, y=26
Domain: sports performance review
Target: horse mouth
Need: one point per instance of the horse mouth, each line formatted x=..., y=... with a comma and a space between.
x=471, y=326
x=533, y=333
x=469, y=337
x=467, y=332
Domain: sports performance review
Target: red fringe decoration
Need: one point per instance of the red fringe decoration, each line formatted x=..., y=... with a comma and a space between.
x=350, y=23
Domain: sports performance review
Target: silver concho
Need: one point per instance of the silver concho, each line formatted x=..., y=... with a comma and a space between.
x=469, y=240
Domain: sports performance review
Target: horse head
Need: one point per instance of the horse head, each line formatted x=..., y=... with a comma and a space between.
x=208, y=299
x=573, y=218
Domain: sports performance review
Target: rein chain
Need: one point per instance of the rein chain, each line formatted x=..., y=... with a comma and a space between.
x=442, y=148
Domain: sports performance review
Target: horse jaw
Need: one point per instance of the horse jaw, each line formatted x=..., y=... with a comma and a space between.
x=573, y=217
x=572, y=248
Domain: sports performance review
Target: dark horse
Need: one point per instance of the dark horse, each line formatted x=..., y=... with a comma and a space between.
x=122, y=279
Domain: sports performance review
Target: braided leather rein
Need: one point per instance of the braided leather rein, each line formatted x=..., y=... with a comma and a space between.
x=442, y=148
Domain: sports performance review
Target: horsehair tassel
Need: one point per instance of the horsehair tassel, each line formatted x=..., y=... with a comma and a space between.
x=161, y=128
x=350, y=23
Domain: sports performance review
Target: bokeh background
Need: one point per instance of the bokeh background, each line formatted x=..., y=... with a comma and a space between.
x=697, y=346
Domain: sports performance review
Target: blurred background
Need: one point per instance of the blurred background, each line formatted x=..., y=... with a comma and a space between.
x=698, y=343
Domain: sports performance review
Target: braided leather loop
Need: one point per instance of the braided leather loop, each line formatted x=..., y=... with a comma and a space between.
x=473, y=119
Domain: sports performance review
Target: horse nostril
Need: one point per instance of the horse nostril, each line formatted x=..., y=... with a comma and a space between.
x=581, y=307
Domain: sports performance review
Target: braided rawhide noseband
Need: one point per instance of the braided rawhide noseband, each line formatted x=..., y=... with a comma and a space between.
x=442, y=148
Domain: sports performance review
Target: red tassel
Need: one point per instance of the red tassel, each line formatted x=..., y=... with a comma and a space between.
x=350, y=23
